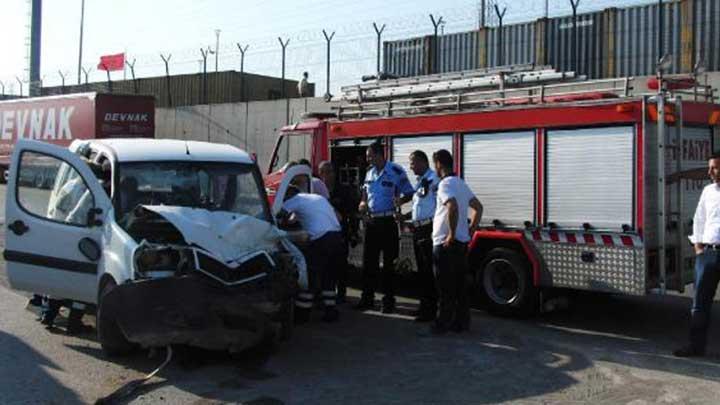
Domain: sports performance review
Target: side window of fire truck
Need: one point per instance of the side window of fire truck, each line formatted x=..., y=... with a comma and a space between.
x=589, y=177
x=50, y=188
x=499, y=169
x=293, y=148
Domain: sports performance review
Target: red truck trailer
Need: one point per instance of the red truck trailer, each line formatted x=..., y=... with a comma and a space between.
x=585, y=186
x=62, y=119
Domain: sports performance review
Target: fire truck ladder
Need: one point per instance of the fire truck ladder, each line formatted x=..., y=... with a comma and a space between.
x=470, y=90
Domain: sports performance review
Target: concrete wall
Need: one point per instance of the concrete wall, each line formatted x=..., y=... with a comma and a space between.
x=251, y=126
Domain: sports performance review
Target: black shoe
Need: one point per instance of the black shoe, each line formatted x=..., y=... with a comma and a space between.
x=47, y=320
x=331, y=315
x=689, y=351
x=35, y=301
x=365, y=304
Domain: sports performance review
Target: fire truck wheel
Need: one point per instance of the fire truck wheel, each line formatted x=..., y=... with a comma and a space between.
x=504, y=282
x=111, y=338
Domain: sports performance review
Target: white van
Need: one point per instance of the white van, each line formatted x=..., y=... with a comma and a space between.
x=173, y=241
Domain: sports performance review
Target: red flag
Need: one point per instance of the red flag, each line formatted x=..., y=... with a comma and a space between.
x=112, y=62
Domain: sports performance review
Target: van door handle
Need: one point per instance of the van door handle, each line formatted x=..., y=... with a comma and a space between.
x=18, y=227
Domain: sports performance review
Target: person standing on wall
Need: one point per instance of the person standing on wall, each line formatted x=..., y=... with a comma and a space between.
x=384, y=181
x=423, y=211
x=706, y=239
x=450, y=236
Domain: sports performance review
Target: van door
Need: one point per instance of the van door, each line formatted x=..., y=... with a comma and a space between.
x=302, y=177
x=53, y=234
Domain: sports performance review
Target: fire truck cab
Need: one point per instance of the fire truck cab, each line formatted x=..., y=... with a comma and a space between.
x=586, y=185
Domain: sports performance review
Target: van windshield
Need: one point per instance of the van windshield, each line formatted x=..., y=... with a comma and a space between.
x=213, y=186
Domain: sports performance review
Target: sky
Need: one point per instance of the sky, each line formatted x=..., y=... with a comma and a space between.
x=145, y=28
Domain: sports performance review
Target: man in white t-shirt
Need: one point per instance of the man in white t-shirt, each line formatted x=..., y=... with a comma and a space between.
x=706, y=240
x=323, y=253
x=450, y=236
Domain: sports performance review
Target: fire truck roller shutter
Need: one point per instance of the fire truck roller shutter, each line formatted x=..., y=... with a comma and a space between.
x=403, y=147
x=499, y=169
x=590, y=177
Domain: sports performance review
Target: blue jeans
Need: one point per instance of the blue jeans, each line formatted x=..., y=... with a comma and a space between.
x=707, y=276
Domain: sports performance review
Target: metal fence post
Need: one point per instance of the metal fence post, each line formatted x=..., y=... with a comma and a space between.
x=328, y=38
x=62, y=78
x=500, y=16
x=434, y=47
x=21, y=85
x=283, y=92
x=379, y=32
x=575, y=54
x=204, y=96
x=242, y=70
x=132, y=72
x=166, y=60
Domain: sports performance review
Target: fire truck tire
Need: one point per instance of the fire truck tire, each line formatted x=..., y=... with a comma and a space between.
x=111, y=338
x=504, y=283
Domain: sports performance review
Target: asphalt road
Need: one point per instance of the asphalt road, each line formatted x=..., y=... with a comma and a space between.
x=604, y=350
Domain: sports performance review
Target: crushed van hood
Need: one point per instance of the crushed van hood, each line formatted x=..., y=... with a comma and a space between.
x=229, y=235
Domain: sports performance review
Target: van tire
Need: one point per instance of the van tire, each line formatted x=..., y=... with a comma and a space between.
x=111, y=338
x=505, y=285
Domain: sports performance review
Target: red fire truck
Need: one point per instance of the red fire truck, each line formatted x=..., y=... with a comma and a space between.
x=584, y=185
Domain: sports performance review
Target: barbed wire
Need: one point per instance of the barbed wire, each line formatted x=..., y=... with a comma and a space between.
x=353, y=49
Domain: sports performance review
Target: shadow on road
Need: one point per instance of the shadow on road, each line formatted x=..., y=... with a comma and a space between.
x=24, y=376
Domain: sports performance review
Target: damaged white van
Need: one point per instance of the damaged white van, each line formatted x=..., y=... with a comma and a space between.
x=173, y=241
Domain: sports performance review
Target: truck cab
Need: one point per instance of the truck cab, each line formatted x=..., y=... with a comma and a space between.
x=169, y=239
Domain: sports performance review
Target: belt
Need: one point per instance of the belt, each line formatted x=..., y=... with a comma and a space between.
x=381, y=214
x=422, y=222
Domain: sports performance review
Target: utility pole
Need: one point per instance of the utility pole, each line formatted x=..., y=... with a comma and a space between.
x=661, y=33
x=481, y=14
x=379, y=32
x=217, y=49
x=547, y=8
x=82, y=22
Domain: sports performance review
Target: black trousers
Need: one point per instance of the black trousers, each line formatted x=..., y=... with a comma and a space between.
x=381, y=235
x=324, y=257
x=423, y=247
x=450, y=265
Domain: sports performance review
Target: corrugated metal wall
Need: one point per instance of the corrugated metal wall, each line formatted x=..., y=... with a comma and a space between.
x=518, y=45
x=611, y=43
x=636, y=50
x=406, y=57
x=707, y=32
x=560, y=42
x=458, y=51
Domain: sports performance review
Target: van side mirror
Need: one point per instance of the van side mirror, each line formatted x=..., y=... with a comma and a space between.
x=92, y=217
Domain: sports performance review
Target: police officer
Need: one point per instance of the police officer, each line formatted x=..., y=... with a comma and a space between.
x=384, y=181
x=423, y=211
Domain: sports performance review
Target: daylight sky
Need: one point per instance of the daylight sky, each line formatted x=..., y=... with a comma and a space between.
x=144, y=28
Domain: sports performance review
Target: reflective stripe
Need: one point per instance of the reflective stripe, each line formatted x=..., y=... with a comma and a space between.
x=302, y=304
x=305, y=296
x=329, y=303
x=330, y=294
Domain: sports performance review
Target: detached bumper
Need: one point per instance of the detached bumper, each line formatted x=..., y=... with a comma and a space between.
x=193, y=310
